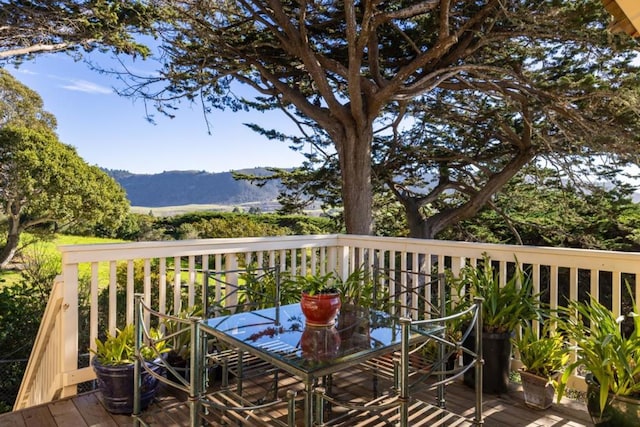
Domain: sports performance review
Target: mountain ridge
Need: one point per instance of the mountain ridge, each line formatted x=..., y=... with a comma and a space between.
x=180, y=187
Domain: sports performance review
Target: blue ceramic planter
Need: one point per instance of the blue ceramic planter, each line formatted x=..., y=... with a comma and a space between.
x=116, y=383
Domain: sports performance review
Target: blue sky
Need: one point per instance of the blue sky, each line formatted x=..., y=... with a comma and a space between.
x=111, y=131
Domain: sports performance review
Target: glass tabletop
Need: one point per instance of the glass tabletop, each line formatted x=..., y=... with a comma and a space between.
x=281, y=335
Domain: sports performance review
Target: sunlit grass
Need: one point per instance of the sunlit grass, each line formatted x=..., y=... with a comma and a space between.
x=49, y=248
x=63, y=239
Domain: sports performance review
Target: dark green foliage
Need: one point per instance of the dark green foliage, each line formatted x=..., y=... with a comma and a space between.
x=223, y=224
x=141, y=227
x=21, y=105
x=541, y=211
x=38, y=26
x=301, y=224
x=43, y=182
x=21, y=309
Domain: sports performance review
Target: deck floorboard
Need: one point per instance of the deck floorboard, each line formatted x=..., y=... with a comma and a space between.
x=171, y=410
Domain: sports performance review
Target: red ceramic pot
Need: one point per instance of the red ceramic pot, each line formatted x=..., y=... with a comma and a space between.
x=320, y=309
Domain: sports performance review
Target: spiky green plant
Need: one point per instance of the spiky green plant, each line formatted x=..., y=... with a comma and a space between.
x=504, y=308
x=119, y=349
x=602, y=348
x=543, y=355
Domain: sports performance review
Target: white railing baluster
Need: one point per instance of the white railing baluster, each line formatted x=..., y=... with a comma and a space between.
x=130, y=291
x=553, y=285
x=162, y=282
x=191, y=281
x=93, y=305
x=441, y=267
x=113, y=297
x=303, y=262
x=205, y=274
x=594, y=284
x=177, y=284
x=147, y=288
x=231, y=280
x=535, y=279
x=573, y=284
x=314, y=261
x=502, y=271
x=321, y=261
x=616, y=293
x=294, y=261
x=283, y=260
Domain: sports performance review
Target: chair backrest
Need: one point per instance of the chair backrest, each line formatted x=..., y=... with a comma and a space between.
x=449, y=333
x=417, y=295
x=233, y=291
x=195, y=386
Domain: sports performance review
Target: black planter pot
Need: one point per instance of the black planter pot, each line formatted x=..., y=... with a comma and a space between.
x=116, y=383
x=619, y=411
x=179, y=365
x=496, y=349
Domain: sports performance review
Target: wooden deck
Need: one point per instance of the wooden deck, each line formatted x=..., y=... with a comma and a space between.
x=170, y=410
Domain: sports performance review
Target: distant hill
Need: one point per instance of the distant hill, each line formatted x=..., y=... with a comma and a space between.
x=176, y=188
x=179, y=188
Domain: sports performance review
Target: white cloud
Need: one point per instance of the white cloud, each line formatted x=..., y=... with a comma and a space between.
x=24, y=71
x=87, y=87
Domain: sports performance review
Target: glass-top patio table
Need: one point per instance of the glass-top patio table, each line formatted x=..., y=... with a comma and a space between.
x=280, y=336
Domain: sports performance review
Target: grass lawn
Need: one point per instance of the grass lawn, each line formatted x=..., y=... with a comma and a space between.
x=50, y=248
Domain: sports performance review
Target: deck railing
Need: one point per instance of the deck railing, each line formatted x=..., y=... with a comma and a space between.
x=170, y=275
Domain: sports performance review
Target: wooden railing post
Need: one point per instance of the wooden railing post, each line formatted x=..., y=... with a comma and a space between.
x=69, y=324
x=340, y=262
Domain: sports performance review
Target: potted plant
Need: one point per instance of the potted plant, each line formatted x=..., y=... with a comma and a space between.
x=113, y=364
x=320, y=299
x=359, y=291
x=358, y=294
x=543, y=357
x=504, y=308
x=178, y=339
x=611, y=358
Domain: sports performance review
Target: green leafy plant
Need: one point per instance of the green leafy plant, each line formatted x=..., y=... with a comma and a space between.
x=119, y=349
x=316, y=284
x=178, y=333
x=504, y=308
x=359, y=289
x=612, y=357
x=545, y=355
x=256, y=289
x=259, y=287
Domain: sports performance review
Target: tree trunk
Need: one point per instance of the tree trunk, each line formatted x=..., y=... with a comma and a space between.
x=415, y=222
x=355, y=169
x=428, y=228
x=13, y=237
